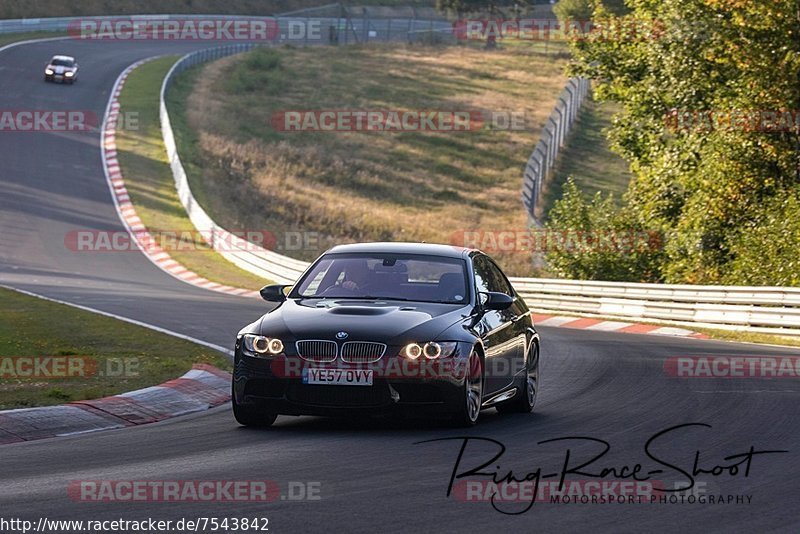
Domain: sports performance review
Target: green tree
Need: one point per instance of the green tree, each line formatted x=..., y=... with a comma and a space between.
x=584, y=9
x=573, y=10
x=710, y=189
x=594, y=240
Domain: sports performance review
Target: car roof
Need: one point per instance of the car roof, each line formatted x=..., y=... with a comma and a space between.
x=430, y=249
x=66, y=58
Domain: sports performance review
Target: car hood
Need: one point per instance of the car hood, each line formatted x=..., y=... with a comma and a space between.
x=60, y=69
x=390, y=322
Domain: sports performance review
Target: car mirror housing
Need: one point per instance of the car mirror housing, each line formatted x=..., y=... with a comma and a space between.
x=274, y=292
x=495, y=301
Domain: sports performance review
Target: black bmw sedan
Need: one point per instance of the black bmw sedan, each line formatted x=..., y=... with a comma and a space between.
x=385, y=327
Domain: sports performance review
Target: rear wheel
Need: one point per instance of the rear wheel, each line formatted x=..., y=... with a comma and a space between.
x=525, y=399
x=251, y=414
x=472, y=397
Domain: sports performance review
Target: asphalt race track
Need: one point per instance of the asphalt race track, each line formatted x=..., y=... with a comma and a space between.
x=370, y=474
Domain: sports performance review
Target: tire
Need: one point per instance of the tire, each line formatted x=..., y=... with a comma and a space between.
x=251, y=415
x=529, y=389
x=472, y=397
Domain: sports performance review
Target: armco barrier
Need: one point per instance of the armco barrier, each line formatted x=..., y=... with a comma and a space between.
x=261, y=262
x=755, y=309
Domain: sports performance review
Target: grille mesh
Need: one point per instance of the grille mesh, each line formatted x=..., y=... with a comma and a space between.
x=362, y=351
x=315, y=350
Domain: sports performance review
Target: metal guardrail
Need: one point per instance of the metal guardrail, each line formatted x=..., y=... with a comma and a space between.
x=754, y=309
x=245, y=255
x=543, y=158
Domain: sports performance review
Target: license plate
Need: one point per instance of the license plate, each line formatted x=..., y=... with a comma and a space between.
x=337, y=377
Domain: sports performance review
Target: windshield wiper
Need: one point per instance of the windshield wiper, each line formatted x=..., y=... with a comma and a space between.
x=375, y=297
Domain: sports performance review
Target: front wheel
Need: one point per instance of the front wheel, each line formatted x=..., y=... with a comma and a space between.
x=251, y=415
x=472, y=396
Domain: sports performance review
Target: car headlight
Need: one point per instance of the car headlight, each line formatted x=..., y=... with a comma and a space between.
x=49, y=72
x=69, y=73
x=261, y=345
x=431, y=350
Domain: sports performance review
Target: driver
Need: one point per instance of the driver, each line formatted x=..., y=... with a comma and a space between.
x=356, y=275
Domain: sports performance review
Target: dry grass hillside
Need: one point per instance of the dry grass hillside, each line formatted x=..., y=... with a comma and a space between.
x=358, y=186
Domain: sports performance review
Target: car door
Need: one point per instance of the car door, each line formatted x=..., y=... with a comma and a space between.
x=520, y=317
x=497, y=328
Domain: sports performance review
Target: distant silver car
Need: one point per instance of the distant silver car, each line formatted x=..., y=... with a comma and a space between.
x=61, y=69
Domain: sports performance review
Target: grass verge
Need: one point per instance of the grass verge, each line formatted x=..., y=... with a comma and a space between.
x=588, y=158
x=149, y=181
x=351, y=186
x=128, y=357
x=750, y=337
x=15, y=37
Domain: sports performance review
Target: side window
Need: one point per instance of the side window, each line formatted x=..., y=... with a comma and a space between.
x=482, y=274
x=500, y=280
x=488, y=277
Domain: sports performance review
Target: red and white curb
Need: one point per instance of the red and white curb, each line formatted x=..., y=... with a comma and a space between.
x=198, y=390
x=587, y=323
x=127, y=213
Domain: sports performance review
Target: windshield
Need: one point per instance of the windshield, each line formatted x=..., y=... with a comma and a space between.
x=61, y=63
x=386, y=276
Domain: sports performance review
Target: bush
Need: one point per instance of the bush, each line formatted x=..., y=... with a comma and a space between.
x=766, y=251
x=260, y=71
x=596, y=241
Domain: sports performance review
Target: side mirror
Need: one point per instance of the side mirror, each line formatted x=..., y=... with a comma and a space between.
x=495, y=301
x=274, y=292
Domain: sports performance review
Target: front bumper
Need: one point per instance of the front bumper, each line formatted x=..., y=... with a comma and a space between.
x=59, y=78
x=276, y=385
